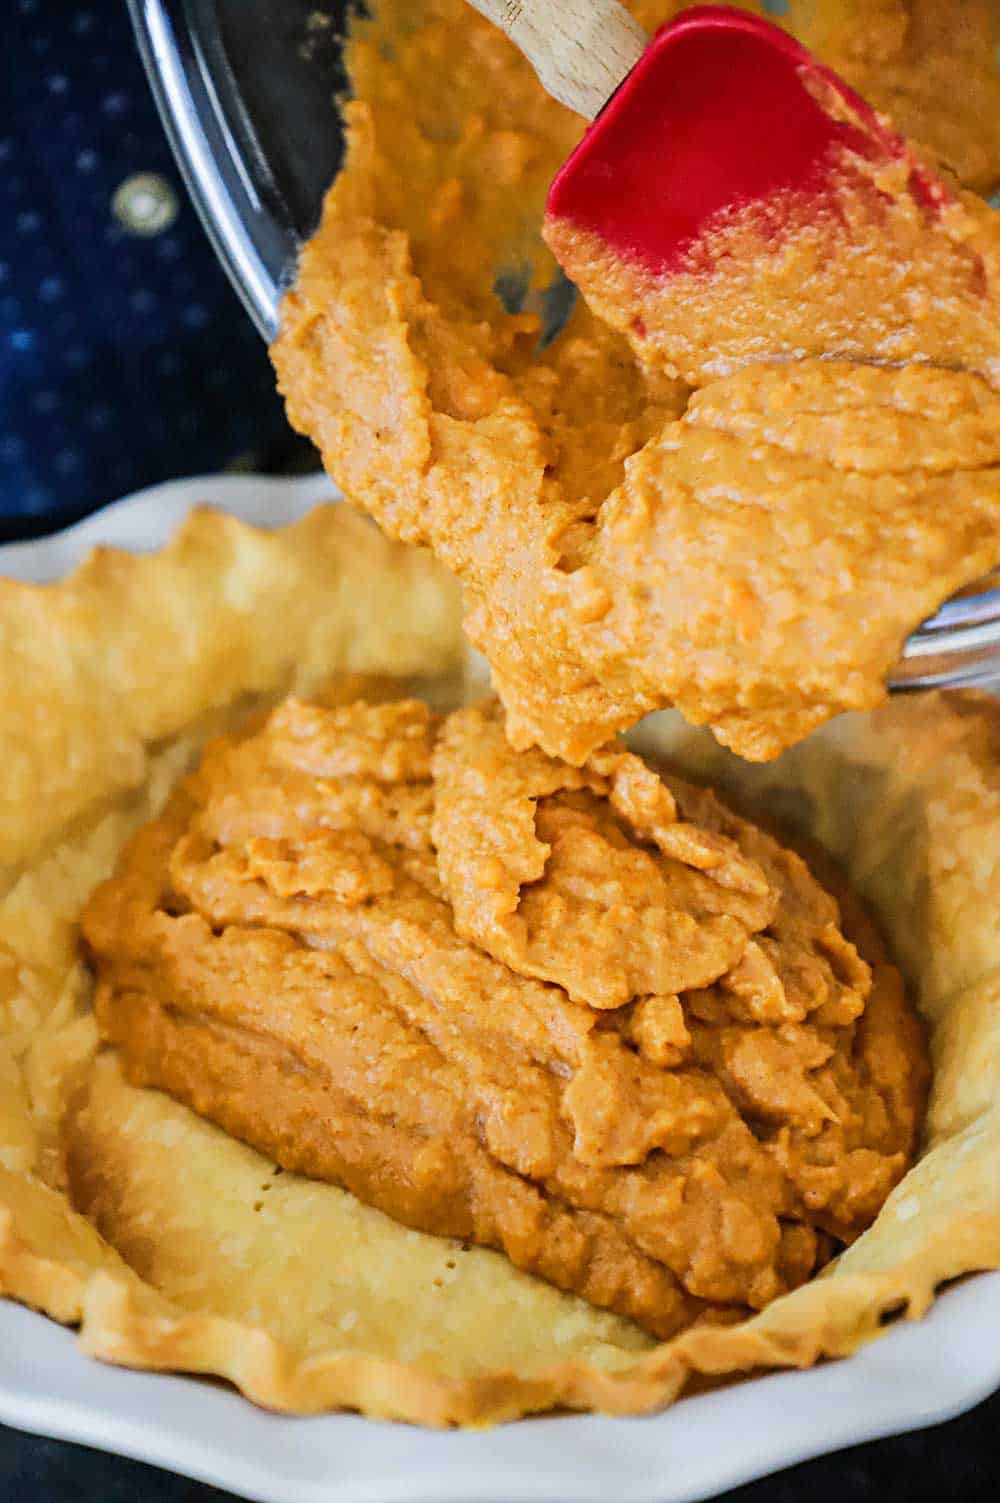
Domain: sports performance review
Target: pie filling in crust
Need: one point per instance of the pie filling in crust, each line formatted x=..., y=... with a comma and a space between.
x=372, y=940
x=585, y=1016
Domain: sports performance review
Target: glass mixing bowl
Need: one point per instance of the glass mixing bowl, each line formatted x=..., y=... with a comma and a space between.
x=248, y=96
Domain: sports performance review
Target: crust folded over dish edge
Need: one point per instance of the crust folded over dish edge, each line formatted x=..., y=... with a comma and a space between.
x=113, y=679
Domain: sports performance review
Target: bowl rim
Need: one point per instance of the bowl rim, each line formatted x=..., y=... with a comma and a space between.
x=229, y=187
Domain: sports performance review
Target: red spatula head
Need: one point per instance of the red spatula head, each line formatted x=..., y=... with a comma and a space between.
x=727, y=143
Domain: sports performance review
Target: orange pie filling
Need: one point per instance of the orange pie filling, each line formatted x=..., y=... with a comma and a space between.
x=584, y=1015
x=754, y=552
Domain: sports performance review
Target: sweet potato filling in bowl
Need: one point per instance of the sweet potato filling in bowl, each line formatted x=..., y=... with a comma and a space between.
x=175, y=1246
x=752, y=549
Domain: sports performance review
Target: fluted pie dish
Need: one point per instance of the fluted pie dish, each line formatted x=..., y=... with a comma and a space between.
x=196, y=1256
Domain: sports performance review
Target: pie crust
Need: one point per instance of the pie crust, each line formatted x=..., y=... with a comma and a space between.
x=300, y=1296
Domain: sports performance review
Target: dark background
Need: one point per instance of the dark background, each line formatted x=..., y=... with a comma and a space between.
x=125, y=357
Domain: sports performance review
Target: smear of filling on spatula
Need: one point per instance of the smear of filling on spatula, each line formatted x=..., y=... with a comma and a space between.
x=583, y=1015
x=754, y=551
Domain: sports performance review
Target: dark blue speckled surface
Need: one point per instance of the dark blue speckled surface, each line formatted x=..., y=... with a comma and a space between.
x=125, y=358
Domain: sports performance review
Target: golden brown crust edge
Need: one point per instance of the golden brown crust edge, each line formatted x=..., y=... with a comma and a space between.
x=929, y=759
x=128, y=650
x=124, y=1322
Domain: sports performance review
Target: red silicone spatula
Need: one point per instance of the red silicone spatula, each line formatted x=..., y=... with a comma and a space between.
x=723, y=114
x=721, y=108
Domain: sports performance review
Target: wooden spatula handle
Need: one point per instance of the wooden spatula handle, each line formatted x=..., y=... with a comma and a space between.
x=580, y=49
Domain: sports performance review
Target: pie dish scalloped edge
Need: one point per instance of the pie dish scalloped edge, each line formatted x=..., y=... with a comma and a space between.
x=917, y=1375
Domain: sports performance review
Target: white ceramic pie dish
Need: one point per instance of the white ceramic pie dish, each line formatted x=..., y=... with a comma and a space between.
x=916, y=1375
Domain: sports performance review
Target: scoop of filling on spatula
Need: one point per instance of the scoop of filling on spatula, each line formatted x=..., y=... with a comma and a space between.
x=735, y=200
x=752, y=544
